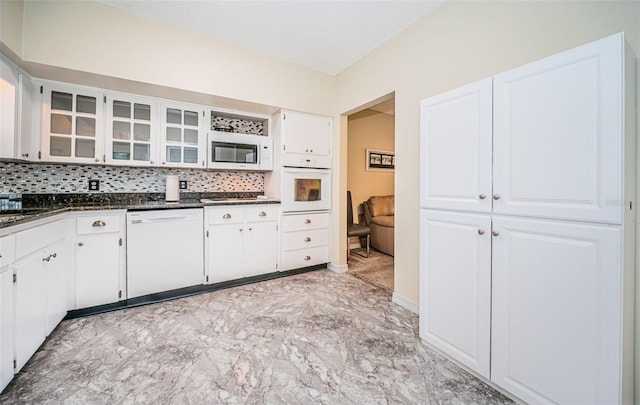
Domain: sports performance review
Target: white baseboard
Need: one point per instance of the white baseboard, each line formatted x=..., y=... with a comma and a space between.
x=337, y=268
x=403, y=302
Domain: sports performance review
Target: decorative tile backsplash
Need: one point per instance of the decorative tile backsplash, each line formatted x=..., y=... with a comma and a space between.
x=237, y=125
x=37, y=178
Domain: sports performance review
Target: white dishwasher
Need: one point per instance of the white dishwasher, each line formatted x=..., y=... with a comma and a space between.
x=165, y=250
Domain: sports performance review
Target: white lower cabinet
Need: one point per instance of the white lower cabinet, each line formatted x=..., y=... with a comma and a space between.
x=241, y=241
x=455, y=286
x=305, y=240
x=100, y=254
x=40, y=286
x=557, y=300
x=533, y=305
x=6, y=327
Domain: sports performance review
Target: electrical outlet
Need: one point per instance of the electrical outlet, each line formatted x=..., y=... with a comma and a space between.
x=94, y=185
x=183, y=184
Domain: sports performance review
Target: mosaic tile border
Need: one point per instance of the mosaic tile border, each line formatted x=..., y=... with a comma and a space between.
x=37, y=178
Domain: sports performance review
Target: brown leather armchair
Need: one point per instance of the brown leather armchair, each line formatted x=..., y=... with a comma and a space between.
x=379, y=216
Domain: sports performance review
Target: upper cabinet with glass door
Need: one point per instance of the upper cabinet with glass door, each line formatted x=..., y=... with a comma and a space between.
x=72, y=124
x=183, y=135
x=131, y=130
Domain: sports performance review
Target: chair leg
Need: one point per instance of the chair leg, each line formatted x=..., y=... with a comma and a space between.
x=360, y=254
x=368, y=244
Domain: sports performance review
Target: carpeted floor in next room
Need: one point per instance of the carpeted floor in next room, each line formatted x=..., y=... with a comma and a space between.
x=376, y=269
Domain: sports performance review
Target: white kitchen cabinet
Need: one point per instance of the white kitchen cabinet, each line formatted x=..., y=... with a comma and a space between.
x=9, y=89
x=72, y=124
x=558, y=136
x=7, y=256
x=132, y=130
x=6, y=327
x=305, y=240
x=304, y=139
x=15, y=116
x=455, y=286
x=183, y=135
x=562, y=223
x=100, y=258
x=459, y=125
x=241, y=241
x=556, y=289
x=40, y=286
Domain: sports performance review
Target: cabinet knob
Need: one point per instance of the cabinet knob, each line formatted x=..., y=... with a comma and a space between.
x=46, y=259
x=482, y=196
x=25, y=155
x=96, y=159
x=152, y=162
x=307, y=239
x=241, y=229
x=80, y=244
x=164, y=163
x=496, y=196
x=307, y=258
x=226, y=216
x=262, y=214
x=311, y=150
x=495, y=233
x=480, y=231
x=54, y=255
x=250, y=229
x=307, y=221
x=98, y=224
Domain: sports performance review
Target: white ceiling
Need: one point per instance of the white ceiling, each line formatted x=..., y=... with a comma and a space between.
x=324, y=35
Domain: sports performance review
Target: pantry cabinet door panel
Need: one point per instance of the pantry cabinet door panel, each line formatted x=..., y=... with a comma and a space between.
x=455, y=286
x=556, y=325
x=456, y=149
x=558, y=136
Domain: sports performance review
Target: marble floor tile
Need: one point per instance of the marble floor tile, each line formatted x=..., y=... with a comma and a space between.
x=317, y=337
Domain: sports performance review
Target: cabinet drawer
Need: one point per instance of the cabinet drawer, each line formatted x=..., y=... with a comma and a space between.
x=37, y=238
x=305, y=221
x=262, y=213
x=7, y=250
x=294, y=259
x=224, y=215
x=305, y=239
x=99, y=224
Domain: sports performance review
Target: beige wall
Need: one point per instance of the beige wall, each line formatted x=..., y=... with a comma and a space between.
x=11, y=24
x=368, y=129
x=91, y=37
x=460, y=42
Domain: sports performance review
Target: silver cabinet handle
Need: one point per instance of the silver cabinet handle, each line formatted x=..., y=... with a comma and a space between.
x=54, y=255
x=226, y=216
x=262, y=214
x=496, y=196
x=80, y=244
x=307, y=239
x=495, y=233
x=482, y=196
x=307, y=258
x=480, y=231
x=307, y=221
x=46, y=259
x=98, y=224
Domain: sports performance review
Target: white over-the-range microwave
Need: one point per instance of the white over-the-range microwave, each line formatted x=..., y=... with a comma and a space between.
x=231, y=151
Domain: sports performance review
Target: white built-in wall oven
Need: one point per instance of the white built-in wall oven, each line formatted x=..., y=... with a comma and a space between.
x=305, y=189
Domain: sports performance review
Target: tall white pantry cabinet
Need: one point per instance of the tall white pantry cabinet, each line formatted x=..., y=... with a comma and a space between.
x=527, y=226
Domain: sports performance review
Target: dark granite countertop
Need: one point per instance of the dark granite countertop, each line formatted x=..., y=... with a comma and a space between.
x=38, y=206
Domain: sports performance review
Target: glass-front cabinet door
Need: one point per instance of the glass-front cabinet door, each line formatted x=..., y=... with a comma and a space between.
x=131, y=130
x=72, y=124
x=183, y=136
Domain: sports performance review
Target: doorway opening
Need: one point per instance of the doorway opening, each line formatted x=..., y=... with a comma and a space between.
x=371, y=182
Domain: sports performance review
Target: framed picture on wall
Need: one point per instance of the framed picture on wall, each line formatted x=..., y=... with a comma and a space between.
x=380, y=160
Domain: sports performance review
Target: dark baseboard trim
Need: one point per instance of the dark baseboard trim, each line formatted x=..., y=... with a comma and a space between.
x=185, y=292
